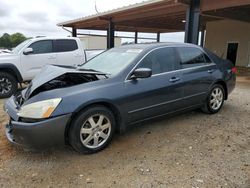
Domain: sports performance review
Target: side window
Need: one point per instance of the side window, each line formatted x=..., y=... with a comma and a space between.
x=42, y=47
x=65, y=45
x=191, y=57
x=160, y=60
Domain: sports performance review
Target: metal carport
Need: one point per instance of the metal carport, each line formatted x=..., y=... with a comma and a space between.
x=161, y=16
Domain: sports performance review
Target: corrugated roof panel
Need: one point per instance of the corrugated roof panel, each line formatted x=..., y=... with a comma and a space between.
x=109, y=12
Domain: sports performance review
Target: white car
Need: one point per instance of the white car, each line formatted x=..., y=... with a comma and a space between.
x=29, y=57
x=4, y=51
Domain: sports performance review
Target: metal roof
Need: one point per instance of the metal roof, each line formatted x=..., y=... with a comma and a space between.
x=120, y=9
x=133, y=17
x=161, y=15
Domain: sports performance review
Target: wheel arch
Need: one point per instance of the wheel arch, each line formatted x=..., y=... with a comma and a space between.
x=11, y=69
x=224, y=85
x=109, y=105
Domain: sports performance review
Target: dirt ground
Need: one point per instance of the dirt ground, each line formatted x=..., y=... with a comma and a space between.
x=189, y=150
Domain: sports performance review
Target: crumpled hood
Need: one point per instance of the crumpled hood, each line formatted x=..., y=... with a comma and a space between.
x=51, y=72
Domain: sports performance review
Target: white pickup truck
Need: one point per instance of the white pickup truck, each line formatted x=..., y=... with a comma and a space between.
x=28, y=58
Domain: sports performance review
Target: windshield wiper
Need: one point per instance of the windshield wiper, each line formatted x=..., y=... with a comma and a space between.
x=93, y=70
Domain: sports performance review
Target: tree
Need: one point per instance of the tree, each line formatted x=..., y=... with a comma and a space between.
x=5, y=41
x=10, y=41
x=16, y=39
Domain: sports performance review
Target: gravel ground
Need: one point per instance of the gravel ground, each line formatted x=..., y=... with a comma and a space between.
x=188, y=150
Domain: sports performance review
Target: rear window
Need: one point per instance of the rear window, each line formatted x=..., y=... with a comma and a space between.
x=191, y=57
x=65, y=45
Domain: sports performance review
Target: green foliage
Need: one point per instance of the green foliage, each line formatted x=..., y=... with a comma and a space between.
x=5, y=41
x=11, y=41
x=16, y=39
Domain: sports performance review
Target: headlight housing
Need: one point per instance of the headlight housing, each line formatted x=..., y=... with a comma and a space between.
x=39, y=110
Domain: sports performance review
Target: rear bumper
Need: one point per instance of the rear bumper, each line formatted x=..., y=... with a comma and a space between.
x=39, y=135
x=231, y=83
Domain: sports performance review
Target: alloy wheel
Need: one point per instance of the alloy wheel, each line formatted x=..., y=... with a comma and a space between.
x=95, y=131
x=5, y=86
x=216, y=98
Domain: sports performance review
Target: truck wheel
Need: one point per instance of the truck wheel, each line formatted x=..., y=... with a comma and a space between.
x=8, y=85
x=92, y=129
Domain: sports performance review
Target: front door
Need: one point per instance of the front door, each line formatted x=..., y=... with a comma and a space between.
x=42, y=55
x=232, y=49
x=159, y=94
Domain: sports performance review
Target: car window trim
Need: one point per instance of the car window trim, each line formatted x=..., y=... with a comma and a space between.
x=189, y=68
x=181, y=69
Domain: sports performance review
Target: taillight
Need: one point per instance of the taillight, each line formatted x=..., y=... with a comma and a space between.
x=234, y=70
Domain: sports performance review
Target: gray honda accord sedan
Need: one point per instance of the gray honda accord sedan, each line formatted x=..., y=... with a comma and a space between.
x=85, y=105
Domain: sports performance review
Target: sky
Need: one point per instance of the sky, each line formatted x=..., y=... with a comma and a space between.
x=39, y=17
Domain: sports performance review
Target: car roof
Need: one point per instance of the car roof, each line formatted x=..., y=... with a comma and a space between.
x=50, y=38
x=149, y=46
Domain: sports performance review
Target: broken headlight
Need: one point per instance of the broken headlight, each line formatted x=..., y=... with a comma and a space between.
x=39, y=110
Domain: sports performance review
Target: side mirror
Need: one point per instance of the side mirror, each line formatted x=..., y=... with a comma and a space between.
x=141, y=73
x=28, y=51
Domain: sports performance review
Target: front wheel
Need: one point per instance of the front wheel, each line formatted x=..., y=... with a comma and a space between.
x=92, y=130
x=8, y=85
x=215, y=100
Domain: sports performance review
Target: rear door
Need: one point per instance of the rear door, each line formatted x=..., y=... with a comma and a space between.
x=159, y=94
x=68, y=52
x=42, y=55
x=198, y=74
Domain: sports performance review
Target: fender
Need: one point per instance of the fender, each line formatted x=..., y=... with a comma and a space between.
x=119, y=115
x=223, y=83
x=13, y=69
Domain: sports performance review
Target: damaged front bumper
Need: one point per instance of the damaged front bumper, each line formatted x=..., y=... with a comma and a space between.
x=35, y=135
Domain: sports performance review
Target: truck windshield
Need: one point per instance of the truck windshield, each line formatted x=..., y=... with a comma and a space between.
x=112, y=61
x=19, y=47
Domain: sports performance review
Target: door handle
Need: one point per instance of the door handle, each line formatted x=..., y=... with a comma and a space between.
x=51, y=57
x=210, y=71
x=77, y=55
x=174, y=79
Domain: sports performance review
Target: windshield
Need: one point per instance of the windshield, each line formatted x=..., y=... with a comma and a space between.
x=20, y=46
x=112, y=61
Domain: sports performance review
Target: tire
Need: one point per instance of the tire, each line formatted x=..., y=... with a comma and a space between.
x=215, y=100
x=92, y=130
x=8, y=85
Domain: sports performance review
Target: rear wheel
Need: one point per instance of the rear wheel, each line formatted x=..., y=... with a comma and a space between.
x=8, y=85
x=214, y=100
x=92, y=130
